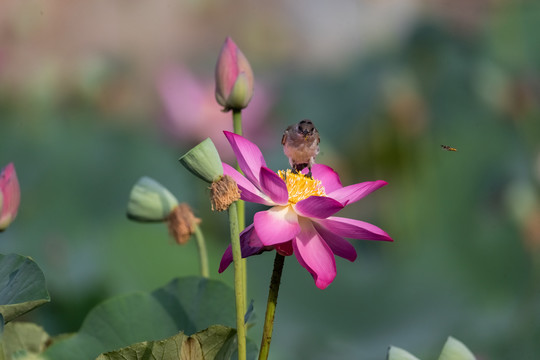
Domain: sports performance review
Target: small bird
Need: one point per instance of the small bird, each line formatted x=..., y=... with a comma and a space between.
x=301, y=145
x=448, y=148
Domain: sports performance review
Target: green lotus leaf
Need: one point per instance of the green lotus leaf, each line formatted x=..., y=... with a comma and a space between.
x=190, y=305
x=22, y=340
x=22, y=286
x=216, y=342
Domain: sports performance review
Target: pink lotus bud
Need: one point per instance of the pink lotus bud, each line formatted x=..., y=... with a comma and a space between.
x=234, y=78
x=10, y=196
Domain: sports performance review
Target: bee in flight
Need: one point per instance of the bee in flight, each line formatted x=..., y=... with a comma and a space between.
x=448, y=148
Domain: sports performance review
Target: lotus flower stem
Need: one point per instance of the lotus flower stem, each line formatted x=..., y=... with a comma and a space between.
x=238, y=280
x=237, y=121
x=271, y=306
x=203, y=255
x=237, y=126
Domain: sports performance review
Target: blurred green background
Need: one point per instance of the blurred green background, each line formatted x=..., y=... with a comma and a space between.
x=95, y=94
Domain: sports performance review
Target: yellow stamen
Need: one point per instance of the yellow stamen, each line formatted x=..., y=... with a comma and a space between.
x=300, y=186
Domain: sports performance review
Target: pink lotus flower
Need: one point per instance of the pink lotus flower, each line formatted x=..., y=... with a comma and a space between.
x=10, y=196
x=300, y=219
x=234, y=78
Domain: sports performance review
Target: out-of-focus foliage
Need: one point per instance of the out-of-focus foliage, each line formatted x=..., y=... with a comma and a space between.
x=386, y=84
x=189, y=304
x=215, y=343
x=23, y=340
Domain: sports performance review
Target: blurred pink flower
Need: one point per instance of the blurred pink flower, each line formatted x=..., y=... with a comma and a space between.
x=300, y=219
x=10, y=196
x=192, y=113
x=234, y=78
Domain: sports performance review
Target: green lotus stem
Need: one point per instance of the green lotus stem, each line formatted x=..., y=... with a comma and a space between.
x=271, y=307
x=237, y=127
x=203, y=255
x=238, y=281
x=237, y=121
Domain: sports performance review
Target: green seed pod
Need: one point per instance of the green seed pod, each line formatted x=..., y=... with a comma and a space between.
x=149, y=201
x=203, y=161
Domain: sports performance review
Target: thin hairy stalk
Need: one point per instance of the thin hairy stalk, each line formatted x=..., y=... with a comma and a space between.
x=203, y=255
x=271, y=307
x=237, y=127
x=238, y=280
